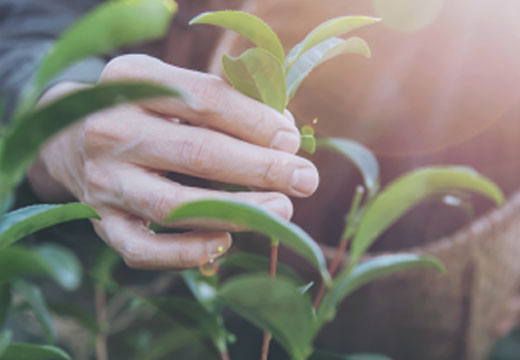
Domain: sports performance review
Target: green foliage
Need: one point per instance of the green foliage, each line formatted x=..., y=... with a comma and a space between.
x=348, y=281
x=106, y=28
x=16, y=351
x=275, y=305
x=32, y=295
x=320, y=53
x=322, y=355
x=58, y=263
x=20, y=145
x=19, y=223
x=5, y=339
x=330, y=28
x=259, y=220
x=258, y=74
x=247, y=25
x=404, y=193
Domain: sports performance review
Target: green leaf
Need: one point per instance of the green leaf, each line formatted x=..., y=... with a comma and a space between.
x=247, y=25
x=348, y=281
x=308, y=143
x=257, y=74
x=259, y=220
x=361, y=157
x=407, y=191
x=275, y=305
x=106, y=28
x=62, y=264
x=5, y=303
x=5, y=339
x=23, y=140
x=80, y=315
x=249, y=261
x=333, y=27
x=59, y=263
x=320, y=53
x=17, y=351
x=323, y=355
x=177, y=307
x=8, y=202
x=19, y=223
x=34, y=298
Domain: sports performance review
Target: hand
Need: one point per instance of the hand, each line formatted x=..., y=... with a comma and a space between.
x=116, y=161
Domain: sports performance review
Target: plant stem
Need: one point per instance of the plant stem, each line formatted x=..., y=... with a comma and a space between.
x=101, y=318
x=224, y=355
x=342, y=247
x=272, y=273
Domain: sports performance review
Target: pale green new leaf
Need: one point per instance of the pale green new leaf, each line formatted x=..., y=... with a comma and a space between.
x=22, y=222
x=17, y=351
x=320, y=53
x=348, y=281
x=23, y=140
x=32, y=295
x=257, y=74
x=5, y=339
x=361, y=157
x=247, y=25
x=256, y=219
x=274, y=305
x=407, y=191
x=333, y=27
x=106, y=28
x=308, y=143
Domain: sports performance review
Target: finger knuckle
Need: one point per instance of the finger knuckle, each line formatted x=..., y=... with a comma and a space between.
x=96, y=178
x=133, y=256
x=271, y=173
x=211, y=93
x=196, y=155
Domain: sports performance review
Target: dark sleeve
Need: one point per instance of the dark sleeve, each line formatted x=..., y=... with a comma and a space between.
x=28, y=29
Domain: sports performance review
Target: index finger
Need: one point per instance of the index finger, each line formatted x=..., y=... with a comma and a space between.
x=211, y=103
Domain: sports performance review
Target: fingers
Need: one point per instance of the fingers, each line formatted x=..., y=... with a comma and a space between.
x=142, y=249
x=153, y=197
x=212, y=103
x=200, y=152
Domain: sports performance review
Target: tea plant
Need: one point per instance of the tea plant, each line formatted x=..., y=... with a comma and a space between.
x=281, y=306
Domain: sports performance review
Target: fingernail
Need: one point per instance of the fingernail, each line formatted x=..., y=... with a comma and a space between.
x=304, y=181
x=280, y=206
x=218, y=247
x=286, y=141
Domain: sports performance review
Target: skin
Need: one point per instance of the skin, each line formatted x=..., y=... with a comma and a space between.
x=116, y=161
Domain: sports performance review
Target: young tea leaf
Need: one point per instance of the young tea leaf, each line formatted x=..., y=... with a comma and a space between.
x=259, y=220
x=308, y=143
x=359, y=155
x=320, y=53
x=247, y=25
x=62, y=264
x=34, y=298
x=274, y=305
x=257, y=74
x=107, y=27
x=348, y=281
x=17, y=351
x=19, y=223
x=407, y=191
x=24, y=139
x=333, y=27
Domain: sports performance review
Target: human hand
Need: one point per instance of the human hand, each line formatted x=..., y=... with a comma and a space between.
x=116, y=161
